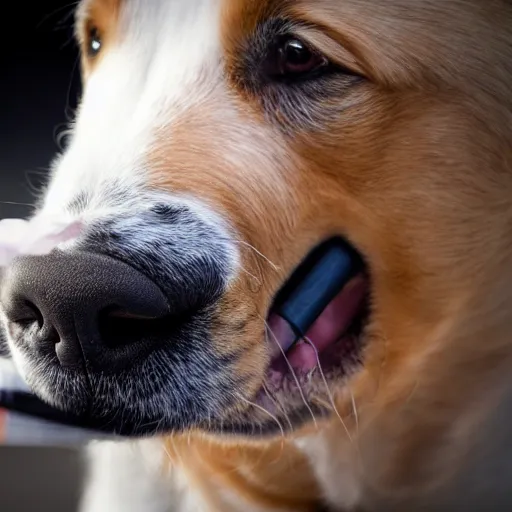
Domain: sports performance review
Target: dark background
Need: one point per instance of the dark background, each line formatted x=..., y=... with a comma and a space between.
x=39, y=84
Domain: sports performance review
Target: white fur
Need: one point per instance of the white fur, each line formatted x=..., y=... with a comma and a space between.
x=341, y=484
x=141, y=84
x=168, y=60
x=125, y=477
x=134, y=477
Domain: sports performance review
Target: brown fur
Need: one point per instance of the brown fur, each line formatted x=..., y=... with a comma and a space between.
x=254, y=473
x=416, y=173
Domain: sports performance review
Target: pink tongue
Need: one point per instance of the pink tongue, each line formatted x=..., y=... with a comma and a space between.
x=328, y=328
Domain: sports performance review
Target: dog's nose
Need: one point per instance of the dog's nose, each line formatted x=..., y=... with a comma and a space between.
x=83, y=308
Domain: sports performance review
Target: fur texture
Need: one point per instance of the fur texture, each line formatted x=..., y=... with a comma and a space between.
x=407, y=154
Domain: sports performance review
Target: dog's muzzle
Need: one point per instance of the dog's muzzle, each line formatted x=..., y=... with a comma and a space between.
x=119, y=293
x=117, y=325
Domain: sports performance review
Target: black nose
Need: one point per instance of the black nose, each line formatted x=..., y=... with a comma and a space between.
x=83, y=308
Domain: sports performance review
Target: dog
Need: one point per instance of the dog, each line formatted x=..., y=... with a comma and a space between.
x=217, y=143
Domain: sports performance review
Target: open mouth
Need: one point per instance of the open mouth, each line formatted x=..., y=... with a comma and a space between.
x=317, y=321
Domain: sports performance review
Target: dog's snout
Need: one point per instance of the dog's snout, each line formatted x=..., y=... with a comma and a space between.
x=82, y=308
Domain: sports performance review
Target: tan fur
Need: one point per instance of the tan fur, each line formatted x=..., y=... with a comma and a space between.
x=254, y=474
x=416, y=172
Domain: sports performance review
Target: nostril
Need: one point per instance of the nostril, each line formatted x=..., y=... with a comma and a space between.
x=121, y=328
x=28, y=314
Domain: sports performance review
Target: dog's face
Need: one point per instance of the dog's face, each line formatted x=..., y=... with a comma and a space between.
x=218, y=142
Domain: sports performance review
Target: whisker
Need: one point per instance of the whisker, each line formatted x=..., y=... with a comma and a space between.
x=15, y=203
x=35, y=186
x=69, y=111
x=259, y=253
x=283, y=438
x=294, y=375
x=252, y=276
x=329, y=394
x=56, y=11
x=354, y=408
x=176, y=452
x=268, y=413
x=166, y=451
x=278, y=405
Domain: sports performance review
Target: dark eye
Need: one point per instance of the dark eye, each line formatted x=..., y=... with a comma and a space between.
x=94, y=42
x=293, y=59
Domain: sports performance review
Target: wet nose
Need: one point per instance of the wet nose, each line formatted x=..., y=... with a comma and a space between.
x=82, y=309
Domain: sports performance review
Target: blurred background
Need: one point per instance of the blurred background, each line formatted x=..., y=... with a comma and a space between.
x=39, y=84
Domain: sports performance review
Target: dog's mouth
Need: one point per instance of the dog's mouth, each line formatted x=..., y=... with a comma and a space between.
x=331, y=347
x=315, y=339
x=331, y=338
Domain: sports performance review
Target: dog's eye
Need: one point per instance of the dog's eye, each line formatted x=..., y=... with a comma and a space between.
x=94, y=42
x=291, y=58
